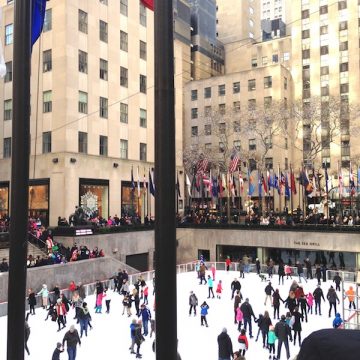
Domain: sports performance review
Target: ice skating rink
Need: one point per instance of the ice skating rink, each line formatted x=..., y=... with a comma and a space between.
x=110, y=337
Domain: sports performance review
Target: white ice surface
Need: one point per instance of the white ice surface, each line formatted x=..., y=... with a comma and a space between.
x=110, y=338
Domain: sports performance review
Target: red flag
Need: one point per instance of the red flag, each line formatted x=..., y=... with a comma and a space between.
x=149, y=4
x=292, y=182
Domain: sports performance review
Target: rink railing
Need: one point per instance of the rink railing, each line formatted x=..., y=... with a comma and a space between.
x=148, y=276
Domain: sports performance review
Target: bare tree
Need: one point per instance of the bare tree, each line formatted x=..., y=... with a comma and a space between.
x=318, y=123
x=267, y=125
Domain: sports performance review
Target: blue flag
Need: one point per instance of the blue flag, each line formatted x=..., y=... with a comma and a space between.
x=287, y=189
x=37, y=19
x=132, y=180
x=151, y=185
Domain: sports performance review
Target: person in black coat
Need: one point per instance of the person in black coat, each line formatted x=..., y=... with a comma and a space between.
x=281, y=272
x=258, y=266
x=248, y=312
x=264, y=323
x=235, y=285
x=331, y=344
x=225, y=345
x=56, y=354
x=283, y=333
x=297, y=324
x=32, y=301
x=276, y=303
x=318, y=294
x=337, y=281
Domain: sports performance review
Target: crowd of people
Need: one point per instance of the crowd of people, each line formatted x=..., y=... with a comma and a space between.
x=268, y=218
x=58, y=307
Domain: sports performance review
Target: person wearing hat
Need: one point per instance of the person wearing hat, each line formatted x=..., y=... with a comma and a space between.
x=56, y=354
x=225, y=345
x=72, y=339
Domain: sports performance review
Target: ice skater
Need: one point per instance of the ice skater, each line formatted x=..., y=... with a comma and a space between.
x=204, y=311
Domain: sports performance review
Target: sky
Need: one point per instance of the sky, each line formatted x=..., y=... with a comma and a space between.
x=110, y=337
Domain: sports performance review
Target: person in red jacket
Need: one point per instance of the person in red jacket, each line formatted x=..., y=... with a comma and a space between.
x=61, y=313
x=228, y=263
x=243, y=341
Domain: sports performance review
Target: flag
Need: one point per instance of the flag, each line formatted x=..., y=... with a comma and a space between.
x=292, y=181
x=264, y=184
x=201, y=166
x=132, y=180
x=341, y=181
x=178, y=186
x=234, y=160
x=138, y=183
x=281, y=183
x=151, y=185
x=351, y=182
x=259, y=184
x=231, y=185
x=241, y=183
x=37, y=19
x=144, y=183
x=326, y=180
x=223, y=182
x=214, y=186
x=287, y=189
x=251, y=188
x=221, y=189
x=149, y=4
x=188, y=184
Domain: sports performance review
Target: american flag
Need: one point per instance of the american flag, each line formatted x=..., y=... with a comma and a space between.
x=202, y=166
x=234, y=160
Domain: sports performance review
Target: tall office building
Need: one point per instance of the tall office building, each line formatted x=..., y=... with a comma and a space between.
x=92, y=106
x=207, y=52
x=325, y=65
x=238, y=20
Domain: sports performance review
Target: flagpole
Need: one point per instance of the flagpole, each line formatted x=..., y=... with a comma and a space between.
x=19, y=179
x=177, y=192
x=165, y=170
x=291, y=190
x=279, y=184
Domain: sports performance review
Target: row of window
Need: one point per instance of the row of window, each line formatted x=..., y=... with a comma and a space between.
x=324, y=9
x=82, y=108
x=82, y=22
x=82, y=146
x=236, y=107
x=235, y=88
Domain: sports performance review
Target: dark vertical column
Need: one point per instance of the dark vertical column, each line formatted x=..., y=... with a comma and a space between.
x=165, y=230
x=19, y=179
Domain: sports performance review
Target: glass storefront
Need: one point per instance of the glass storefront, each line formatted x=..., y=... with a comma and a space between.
x=4, y=199
x=39, y=200
x=131, y=204
x=94, y=197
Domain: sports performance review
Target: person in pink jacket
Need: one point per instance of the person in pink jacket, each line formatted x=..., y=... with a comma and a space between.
x=310, y=302
x=239, y=317
x=99, y=299
x=219, y=289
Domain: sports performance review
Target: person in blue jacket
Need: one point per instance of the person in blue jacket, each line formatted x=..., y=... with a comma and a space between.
x=146, y=317
x=204, y=311
x=337, y=321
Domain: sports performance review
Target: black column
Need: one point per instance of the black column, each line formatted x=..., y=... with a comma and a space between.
x=165, y=230
x=19, y=179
